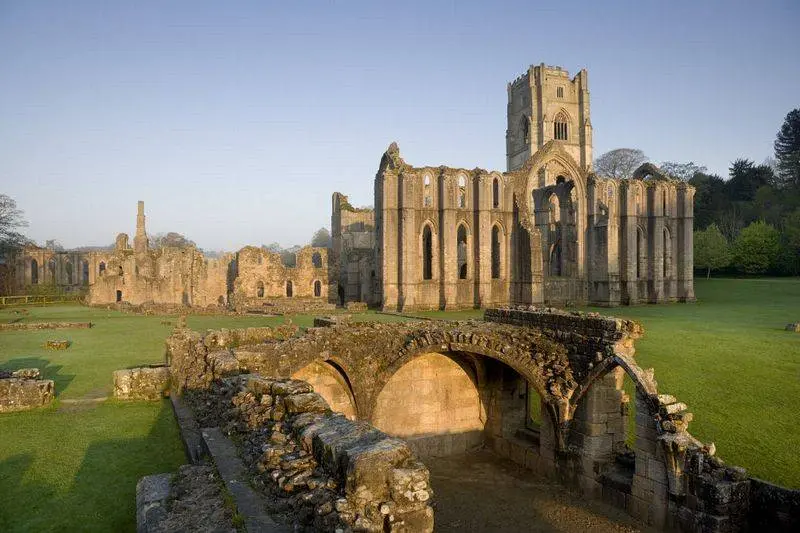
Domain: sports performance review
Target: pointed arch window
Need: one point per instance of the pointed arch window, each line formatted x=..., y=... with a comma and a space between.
x=427, y=252
x=260, y=289
x=317, y=288
x=495, y=193
x=560, y=127
x=34, y=272
x=102, y=268
x=525, y=129
x=289, y=289
x=462, y=192
x=426, y=191
x=496, y=257
x=461, y=252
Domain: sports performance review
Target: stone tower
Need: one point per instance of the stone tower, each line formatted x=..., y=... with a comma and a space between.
x=140, y=240
x=544, y=104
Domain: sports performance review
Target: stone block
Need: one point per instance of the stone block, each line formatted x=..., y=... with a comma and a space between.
x=144, y=383
x=152, y=493
x=308, y=402
x=19, y=394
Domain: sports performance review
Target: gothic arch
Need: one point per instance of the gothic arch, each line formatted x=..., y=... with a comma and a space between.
x=528, y=179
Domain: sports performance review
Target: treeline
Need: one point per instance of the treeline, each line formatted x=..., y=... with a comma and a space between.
x=750, y=223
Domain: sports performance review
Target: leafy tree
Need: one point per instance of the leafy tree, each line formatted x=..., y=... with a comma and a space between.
x=682, y=171
x=711, y=250
x=787, y=151
x=710, y=198
x=746, y=178
x=756, y=248
x=54, y=244
x=321, y=238
x=619, y=163
x=171, y=240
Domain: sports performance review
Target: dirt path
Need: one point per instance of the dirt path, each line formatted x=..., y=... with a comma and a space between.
x=480, y=492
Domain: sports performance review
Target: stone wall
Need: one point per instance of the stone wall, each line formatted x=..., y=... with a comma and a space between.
x=16, y=326
x=143, y=383
x=23, y=389
x=323, y=470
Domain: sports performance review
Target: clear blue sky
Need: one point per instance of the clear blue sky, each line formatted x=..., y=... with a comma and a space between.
x=235, y=121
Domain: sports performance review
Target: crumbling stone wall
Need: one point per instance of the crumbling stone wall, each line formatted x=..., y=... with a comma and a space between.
x=352, y=264
x=575, y=362
x=262, y=275
x=23, y=389
x=320, y=469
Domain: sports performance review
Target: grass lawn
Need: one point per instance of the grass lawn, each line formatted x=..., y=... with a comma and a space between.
x=74, y=467
x=729, y=359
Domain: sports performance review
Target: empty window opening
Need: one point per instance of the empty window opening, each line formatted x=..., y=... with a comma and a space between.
x=525, y=129
x=496, y=252
x=426, y=191
x=119, y=296
x=560, y=92
x=317, y=288
x=34, y=272
x=288, y=289
x=85, y=272
x=427, y=253
x=461, y=244
x=316, y=260
x=496, y=193
x=260, y=289
x=560, y=127
x=68, y=272
x=462, y=192
x=102, y=267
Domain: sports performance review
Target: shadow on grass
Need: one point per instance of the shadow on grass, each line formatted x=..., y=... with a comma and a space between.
x=102, y=492
x=47, y=369
x=14, y=488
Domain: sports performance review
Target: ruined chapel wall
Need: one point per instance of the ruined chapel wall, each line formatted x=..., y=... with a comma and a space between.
x=257, y=267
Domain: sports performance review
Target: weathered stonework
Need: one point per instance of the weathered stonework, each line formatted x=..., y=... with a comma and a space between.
x=16, y=326
x=22, y=389
x=143, y=383
x=546, y=231
x=331, y=473
x=445, y=387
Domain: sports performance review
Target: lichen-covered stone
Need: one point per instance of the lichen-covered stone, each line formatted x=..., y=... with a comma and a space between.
x=22, y=392
x=144, y=383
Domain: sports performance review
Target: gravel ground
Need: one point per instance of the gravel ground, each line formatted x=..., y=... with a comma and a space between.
x=480, y=492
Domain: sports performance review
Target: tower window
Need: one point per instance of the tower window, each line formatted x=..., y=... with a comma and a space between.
x=560, y=127
x=560, y=92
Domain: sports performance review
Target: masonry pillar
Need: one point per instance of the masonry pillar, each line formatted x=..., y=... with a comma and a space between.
x=685, y=243
x=448, y=254
x=408, y=243
x=387, y=226
x=482, y=241
x=655, y=247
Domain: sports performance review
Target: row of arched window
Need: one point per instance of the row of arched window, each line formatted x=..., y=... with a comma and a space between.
x=462, y=252
x=461, y=202
x=290, y=289
x=641, y=254
x=68, y=272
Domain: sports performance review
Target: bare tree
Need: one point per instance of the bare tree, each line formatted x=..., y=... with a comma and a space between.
x=171, y=239
x=11, y=218
x=682, y=171
x=619, y=163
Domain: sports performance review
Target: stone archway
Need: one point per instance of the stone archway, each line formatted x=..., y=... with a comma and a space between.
x=434, y=403
x=330, y=381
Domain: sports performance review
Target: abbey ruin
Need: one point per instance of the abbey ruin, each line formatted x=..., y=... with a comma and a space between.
x=548, y=230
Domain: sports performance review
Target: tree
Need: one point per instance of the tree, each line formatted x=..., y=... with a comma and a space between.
x=11, y=218
x=756, y=248
x=710, y=198
x=54, y=244
x=619, y=163
x=787, y=151
x=321, y=238
x=682, y=171
x=170, y=240
x=746, y=178
x=711, y=249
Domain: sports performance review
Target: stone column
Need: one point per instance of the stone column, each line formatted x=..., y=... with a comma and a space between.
x=482, y=241
x=388, y=229
x=685, y=243
x=656, y=243
x=409, y=271
x=448, y=253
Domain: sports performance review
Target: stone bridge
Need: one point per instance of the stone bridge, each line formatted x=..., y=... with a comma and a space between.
x=541, y=387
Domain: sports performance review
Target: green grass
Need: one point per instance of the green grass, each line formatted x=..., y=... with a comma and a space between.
x=74, y=467
x=728, y=357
